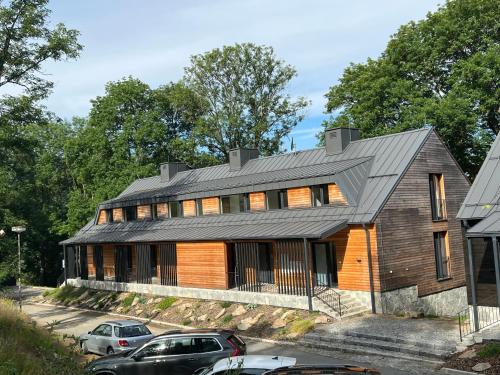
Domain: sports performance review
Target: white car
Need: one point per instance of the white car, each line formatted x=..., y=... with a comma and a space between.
x=247, y=365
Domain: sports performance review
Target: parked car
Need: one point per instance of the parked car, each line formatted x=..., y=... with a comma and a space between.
x=174, y=353
x=322, y=369
x=247, y=365
x=115, y=336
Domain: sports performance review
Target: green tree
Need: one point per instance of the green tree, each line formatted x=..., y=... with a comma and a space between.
x=129, y=132
x=242, y=88
x=27, y=40
x=442, y=71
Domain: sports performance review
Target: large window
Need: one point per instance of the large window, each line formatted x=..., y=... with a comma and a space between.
x=233, y=203
x=175, y=209
x=438, y=206
x=276, y=199
x=320, y=195
x=442, y=255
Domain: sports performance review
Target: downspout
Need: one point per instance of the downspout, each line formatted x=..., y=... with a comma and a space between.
x=370, y=270
x=65, y=266
x=308, y=277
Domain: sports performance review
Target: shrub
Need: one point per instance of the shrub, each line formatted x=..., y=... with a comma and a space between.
x=227, y=318
x=301, y=327
x=142, y=300
x=186, y=322
x=67, y=293
x=489, y=350
x=127, y=301
x=225, y=304
x=166, y=303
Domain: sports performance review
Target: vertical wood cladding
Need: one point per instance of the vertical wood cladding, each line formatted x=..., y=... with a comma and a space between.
x=117, y=215
x=405, y=226
x=335, y=196
x=143, y=261
x=299, y=197
x=210, y=206
x=144, y=212
x=102, y=217
x=189, y=208
x=162, y=210
x=352, y=258
x=289, y=266
x=202, y=265
x=108, y=260
x=167, y=263
x=90, y=261
x=257, y=201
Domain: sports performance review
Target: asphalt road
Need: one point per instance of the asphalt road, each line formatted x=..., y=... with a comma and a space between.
x=76, y=322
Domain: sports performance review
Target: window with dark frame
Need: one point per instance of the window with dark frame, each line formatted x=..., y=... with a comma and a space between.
x=438, y=205
x=199, y=207
x=442, y=255
x=131, y=213
x=235, y=203
x=276, y=199
x=175, y=209
x=319, y=195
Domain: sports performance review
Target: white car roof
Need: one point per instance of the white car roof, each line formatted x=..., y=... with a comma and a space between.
x=253, y=361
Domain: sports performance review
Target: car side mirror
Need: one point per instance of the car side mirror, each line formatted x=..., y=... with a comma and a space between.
x=90, y=332
x=137, y=357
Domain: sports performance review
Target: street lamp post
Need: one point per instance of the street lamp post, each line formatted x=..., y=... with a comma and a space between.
x=19, y=230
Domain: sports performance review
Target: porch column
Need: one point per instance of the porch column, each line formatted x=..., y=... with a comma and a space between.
x=497, y=268
x=308, y=276
x=472, y=284
x=65, y=265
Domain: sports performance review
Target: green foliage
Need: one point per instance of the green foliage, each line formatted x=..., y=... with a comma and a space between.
x=443, y=71
x=166, y=303
x=227, y=318
x=127, y=301
x=28, y=349
x=242, y=89
x=302, y=326
x=142, y=300
x=186, y=322
x=225, y=304
x=66, y=294
x=489, y=350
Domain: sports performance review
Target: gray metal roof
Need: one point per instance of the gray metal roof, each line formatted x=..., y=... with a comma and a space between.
x=367, y=172
x=484, y=195
x=297, y=223
x=490, y=225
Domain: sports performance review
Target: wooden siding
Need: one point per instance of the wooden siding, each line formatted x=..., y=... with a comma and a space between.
x=257, y=201
x=405, y=227
x=299, y=197
x=189, y=208
x=102, y=217
x=108, y=254
x=352, y=258
x=117, y=215
x=210, y=206
x=202, y=265
x=144, y=212
x=335, y=196
x=162, y=210
x=90, y=260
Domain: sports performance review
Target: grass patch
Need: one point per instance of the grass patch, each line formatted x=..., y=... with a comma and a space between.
x=301, y=327
x=142, y=300
x=186, y=322
x=28, y=349
x=225, y=304
x=489, y=350
x=66, y=294
x=166, y=303
x=227, y=318
x=127, y=301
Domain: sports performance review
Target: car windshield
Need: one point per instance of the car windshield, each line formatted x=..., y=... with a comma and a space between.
x=133, y=331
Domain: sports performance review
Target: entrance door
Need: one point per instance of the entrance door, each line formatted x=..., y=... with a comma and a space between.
x=325, y=270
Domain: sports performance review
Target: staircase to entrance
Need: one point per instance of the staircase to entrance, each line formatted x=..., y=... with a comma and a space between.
x=339, y=304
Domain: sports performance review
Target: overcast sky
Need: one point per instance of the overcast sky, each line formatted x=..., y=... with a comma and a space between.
x=153, y=40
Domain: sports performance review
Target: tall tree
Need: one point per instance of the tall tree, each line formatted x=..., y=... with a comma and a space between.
x=242, y=88
x=443, y=71
x=129, y=132
x=27, y=40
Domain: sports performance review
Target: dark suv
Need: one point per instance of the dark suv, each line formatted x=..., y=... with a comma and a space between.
x=322, y=369
x=174, y=353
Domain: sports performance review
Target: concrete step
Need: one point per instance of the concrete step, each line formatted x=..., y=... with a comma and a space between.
x=363, y=350
x=341, y=341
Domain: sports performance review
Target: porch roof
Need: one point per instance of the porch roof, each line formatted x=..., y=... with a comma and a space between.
x=489, y=226
x=298, y=223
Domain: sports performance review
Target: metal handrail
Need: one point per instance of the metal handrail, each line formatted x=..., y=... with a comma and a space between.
x=330, y=297
x=486, y=316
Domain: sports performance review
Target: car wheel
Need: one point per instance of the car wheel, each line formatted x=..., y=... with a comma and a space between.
x=110, y=351
x=84, y=347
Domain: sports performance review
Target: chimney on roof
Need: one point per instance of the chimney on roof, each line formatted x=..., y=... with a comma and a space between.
x=170, y=169
x=239, y=156
x=337, y=139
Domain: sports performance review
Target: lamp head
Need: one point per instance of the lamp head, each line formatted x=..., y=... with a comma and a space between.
x=19, y=229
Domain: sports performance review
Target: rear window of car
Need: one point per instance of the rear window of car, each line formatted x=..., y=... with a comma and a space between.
x=132, y=331
x=235, y=340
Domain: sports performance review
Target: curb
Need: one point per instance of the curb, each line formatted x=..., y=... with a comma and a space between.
x=452, y=371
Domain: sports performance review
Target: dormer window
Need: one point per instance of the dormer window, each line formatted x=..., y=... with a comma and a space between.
x=276, y=199
x=320, y=195
x=234, y=203
x=175, y=209
x=131, y=213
